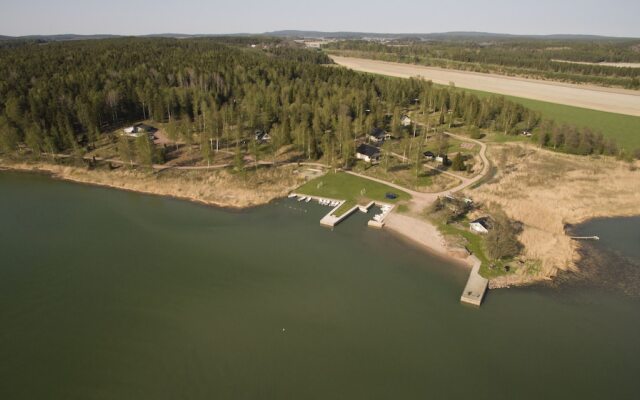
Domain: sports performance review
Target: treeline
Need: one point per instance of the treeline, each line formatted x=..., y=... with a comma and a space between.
x=59, y=95
x=573, y=140
x=534, y=58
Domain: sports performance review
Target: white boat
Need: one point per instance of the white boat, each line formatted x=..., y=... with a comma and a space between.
x=292, y=195
x=308, y=199
x=302, y=198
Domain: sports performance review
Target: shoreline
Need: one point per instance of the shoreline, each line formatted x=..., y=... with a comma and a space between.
x=431, y=240
x=402, y=231
x=404, y=227
x=128, y=183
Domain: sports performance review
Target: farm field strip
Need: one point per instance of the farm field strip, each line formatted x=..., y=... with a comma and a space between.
x=619, y=101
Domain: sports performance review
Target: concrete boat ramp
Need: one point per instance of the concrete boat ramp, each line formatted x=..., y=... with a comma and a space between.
x=476, y=286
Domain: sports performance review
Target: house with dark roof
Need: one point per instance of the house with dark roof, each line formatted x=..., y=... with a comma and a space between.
x=368, y=153
x=262, y=136
x=428, y=155
x=378, y=135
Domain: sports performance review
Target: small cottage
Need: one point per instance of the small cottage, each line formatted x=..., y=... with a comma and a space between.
x=480, y=225
x=368, y=153
x=378, y=135
x=442, y=159
x=262, y=136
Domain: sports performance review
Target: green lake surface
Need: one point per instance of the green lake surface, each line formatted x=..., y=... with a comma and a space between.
x=107, y=294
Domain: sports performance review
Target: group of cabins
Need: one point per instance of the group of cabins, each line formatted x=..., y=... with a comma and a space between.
x=370, y=152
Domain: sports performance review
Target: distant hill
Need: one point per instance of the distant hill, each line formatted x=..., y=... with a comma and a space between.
x=56, y=38
x=330, y=35
x=67, y=37
x=432, y=36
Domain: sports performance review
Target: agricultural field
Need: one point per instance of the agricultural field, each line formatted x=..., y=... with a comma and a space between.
x=610, y=120
x=624, y=129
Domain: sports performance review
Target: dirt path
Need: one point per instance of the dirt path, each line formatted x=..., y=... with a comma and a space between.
x=421, y=200
x=619, y=101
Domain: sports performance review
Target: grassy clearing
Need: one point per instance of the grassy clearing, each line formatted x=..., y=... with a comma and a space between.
x=353, y=189
x=624, y=129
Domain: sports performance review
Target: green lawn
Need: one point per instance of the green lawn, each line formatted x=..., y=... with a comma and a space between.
x=474, y=244
x=624, y=129
x=353, y=189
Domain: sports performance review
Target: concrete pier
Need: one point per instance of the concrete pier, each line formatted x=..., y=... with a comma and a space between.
x=331, y=220
x=476, y=286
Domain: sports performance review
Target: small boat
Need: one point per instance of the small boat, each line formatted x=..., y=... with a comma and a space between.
x=292, y=195
x=302, y=198
x=308, y=199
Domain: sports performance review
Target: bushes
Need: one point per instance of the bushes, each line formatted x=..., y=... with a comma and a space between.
x=458, y=163
x=501, y=242
x=573, y=140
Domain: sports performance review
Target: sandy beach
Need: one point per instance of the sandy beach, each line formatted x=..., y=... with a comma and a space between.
x=427, y=236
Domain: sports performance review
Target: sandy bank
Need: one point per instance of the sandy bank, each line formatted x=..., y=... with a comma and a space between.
x=218, y=188
x=426, y=236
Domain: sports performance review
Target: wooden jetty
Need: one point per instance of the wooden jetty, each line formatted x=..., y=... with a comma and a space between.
x=585, y=237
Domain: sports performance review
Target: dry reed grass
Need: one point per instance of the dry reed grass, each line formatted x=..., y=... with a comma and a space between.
x=546, y=190
x=214, y=187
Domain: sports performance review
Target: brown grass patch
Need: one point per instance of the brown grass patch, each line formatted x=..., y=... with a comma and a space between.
x=546, y=190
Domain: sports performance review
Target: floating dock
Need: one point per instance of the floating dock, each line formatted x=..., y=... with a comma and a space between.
x=476, y=286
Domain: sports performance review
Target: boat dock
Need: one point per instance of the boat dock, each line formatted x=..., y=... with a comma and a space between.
x=476, y=286
x=330, y=220
x=585, y=237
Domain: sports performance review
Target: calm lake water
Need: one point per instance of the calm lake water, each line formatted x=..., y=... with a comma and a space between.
x=107, y=294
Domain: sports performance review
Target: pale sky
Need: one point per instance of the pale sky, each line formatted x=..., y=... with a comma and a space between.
x=136, y=17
